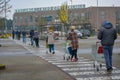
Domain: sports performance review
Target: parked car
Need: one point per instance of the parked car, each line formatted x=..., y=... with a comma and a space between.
x=85, y=32
x=78, y=33
x=59, y=33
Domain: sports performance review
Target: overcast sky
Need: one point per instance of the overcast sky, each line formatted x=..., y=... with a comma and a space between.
x=21, y=4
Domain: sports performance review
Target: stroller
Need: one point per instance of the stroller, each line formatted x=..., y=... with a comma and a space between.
x=67, y=50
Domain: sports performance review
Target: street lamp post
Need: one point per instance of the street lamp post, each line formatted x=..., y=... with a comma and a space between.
x=5, y=17
x=97, y=16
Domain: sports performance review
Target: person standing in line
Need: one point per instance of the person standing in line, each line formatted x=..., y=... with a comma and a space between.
x=36, y=38
x=31, y=36
x=72, y=36
x=107, y=34
x=50, y=40
x=24, y=36
x=13, y=34
x=16, y=36
x=19, y=34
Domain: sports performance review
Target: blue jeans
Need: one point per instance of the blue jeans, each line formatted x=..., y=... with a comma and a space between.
x=24, y=39
x=107, y=50
x=51, y=47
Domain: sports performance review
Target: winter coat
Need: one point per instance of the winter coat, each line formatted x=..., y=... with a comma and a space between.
x=107, y=34
x=50, y=37
x=36, y=34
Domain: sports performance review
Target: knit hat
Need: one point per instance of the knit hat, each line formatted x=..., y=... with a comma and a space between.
x=72, y=27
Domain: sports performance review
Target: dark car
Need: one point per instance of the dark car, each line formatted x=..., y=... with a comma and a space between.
x=85, y=32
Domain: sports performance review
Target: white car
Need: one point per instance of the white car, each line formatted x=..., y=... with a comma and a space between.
x=78, y=33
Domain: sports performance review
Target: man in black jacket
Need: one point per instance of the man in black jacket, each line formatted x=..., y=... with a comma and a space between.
x=107, y=34
x=31, y=36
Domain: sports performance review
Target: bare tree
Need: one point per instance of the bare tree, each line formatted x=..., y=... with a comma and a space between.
x=4, y=9
x=1, y=23
x=41, y=23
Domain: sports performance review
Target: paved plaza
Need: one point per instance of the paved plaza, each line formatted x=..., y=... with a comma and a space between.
x=81, y=70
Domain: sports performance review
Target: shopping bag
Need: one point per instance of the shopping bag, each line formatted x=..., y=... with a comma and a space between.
x=70, y=50
x=100, y=49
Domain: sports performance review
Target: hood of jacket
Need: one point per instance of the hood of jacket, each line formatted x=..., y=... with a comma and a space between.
x=107, y=25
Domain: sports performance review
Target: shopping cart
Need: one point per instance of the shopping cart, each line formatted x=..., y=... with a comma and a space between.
x=98, y=56
x=67, y=50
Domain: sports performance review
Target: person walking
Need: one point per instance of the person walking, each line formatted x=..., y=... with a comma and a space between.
x=72, y=36
x=24, y=36
x=50, y=40
x=19, y=34
x=13, y=34
x=107, y=34
x=31, y=36
x=36, y=38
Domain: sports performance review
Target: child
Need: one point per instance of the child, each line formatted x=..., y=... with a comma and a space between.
x=50, y=40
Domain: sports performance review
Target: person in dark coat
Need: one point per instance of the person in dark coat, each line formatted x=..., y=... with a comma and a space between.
x=18, y=34
x=24, y=36
x=107, y=34
x=13, y=34
x=36, y=38
x=31, y=36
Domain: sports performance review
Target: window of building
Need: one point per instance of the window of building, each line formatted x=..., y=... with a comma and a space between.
x=83, y=16
x=42, y=9
x=21, y=19
x=36, y=18
x=26, y=19
x=48, y=18
x=75, y=16
x=15, y=19
x=117, y=13
x=103, y=15
x=88, y=14
x=26, y=10
x=35, y=9
x=70, y=16
x=56, y=18
x=31, y=19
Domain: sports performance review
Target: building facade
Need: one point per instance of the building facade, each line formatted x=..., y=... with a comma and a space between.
x=88, y=18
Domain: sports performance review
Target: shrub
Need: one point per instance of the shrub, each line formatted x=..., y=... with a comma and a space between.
x=5, y=35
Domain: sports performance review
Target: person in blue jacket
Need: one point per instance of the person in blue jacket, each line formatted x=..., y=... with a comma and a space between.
x=107, y=34
x=36, y=38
